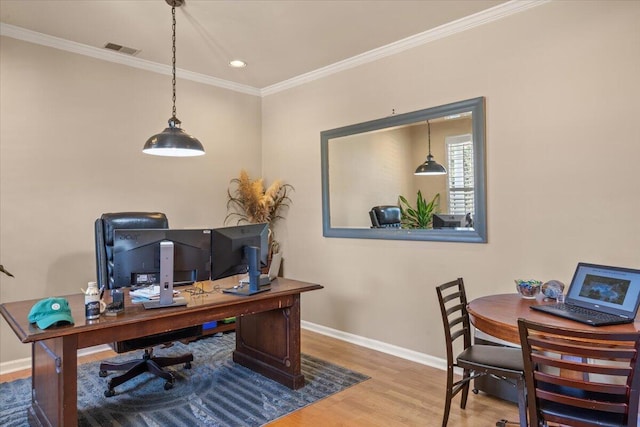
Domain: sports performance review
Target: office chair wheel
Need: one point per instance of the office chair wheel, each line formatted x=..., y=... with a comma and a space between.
x=109, y=393
x=168, y=385
x=187, y=365
x=475, y=390
x=103, y=374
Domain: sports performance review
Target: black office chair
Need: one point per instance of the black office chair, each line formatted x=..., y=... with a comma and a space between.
x=504, y=363
x=385, y=217
x=588, y=400
x=104, y=231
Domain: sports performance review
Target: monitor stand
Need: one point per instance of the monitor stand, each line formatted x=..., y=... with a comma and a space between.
x=245, y=290
x=166, y=280
x=252, y=253
x=176, y=302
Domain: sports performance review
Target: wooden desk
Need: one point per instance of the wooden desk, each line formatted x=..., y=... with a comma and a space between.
x=267, y=338
x=497, y=315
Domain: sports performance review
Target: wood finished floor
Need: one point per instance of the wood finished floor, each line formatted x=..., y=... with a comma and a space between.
x=399, y=393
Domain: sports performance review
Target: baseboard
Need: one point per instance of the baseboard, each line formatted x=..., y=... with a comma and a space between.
x=20, y=364
x=403, y=353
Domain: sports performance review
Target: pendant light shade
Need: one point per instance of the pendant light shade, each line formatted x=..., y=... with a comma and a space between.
x=430, y=166
x=173, y=141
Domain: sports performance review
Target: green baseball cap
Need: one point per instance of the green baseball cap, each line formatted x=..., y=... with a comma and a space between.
x=48, y=312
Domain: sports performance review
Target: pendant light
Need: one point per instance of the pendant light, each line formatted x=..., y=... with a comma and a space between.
x=430, y=166
x=173, y=141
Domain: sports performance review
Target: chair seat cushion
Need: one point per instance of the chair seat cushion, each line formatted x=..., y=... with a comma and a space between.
x=490, y=357
x=577, y=415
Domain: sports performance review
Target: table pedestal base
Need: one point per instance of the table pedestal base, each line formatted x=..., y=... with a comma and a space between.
x=269, y=343
x=54, y=392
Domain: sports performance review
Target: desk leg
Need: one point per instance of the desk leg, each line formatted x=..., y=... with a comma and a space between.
x=269, y=343
x=54, y=382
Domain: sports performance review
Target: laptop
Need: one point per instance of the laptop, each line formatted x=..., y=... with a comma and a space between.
x=599, y=295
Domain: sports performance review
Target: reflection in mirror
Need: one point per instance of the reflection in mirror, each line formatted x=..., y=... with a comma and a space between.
x=372, y=164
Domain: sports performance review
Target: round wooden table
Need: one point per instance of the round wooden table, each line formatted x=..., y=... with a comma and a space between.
x=497, y=315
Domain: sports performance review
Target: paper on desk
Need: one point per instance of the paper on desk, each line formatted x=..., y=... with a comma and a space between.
x=149, y=292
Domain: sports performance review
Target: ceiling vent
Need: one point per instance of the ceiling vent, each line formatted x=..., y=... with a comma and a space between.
x=122, y=49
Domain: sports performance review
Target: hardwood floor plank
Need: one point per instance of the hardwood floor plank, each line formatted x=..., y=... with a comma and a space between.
x=399, y=393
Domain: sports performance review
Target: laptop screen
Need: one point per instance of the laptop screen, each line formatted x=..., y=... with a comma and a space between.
x=610, y=289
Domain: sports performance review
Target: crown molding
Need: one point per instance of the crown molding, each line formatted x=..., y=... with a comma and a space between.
x=498, y=12
x=23, y=34
x=495, y=13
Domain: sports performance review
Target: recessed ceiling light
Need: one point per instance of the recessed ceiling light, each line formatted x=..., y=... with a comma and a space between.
x=237, y=63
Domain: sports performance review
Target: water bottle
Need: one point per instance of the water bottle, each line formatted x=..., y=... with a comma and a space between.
x=92, y=301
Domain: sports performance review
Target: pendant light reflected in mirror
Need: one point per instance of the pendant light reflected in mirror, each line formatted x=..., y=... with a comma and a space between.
x=173, y=141
x=430, y=166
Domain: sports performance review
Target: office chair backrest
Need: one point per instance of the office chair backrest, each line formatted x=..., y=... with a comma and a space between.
x=453, y=307
x=606, y=389
x=385, y=216
x=104, y=227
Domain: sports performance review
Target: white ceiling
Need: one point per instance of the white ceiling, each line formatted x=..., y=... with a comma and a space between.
x=279, y=40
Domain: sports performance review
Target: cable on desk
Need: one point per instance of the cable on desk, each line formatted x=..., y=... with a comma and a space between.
x=199, y=290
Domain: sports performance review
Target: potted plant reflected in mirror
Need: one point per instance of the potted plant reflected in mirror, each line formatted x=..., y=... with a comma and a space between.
x=422, y=215
x=248, y=201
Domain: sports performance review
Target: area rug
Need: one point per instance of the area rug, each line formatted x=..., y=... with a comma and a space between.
x=214, y=392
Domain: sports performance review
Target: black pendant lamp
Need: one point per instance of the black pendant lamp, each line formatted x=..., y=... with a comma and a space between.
x=173, y=141
x=430, y=166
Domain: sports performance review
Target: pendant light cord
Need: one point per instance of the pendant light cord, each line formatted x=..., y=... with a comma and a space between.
x=173, y=64
x=428, y=135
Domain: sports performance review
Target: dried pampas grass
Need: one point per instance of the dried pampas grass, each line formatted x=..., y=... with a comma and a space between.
x=250, y=202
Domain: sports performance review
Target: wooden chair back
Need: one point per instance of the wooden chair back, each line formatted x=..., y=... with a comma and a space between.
x=581, y=378
x=453, y=307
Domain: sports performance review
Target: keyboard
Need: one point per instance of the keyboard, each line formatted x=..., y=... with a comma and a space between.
x=582, y=315
x=587, y=312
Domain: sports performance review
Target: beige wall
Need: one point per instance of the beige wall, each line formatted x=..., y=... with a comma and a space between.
x=368, y=170
x=562, y=90
x=561, y=87
x=71, y=134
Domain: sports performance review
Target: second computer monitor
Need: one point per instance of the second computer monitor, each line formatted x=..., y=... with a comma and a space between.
x=228, y=248
x=449, y=221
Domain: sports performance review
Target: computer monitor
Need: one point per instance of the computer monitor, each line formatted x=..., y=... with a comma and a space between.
x=137, y=260
x=449, y=221
x=238, y=250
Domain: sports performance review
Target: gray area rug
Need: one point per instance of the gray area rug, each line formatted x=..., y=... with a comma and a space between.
x=214, y=392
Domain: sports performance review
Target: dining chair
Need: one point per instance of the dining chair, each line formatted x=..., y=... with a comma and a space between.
x=604, y=386
x=476, y=360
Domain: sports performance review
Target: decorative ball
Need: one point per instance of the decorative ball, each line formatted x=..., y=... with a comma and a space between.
x=528, y=288
x=552, y=289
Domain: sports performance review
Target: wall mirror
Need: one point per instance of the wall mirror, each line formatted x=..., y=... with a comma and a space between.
x=373, y=163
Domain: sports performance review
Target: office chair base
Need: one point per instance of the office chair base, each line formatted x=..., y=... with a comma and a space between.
x=148, y=363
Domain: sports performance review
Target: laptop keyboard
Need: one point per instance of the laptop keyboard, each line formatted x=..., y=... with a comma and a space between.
x=586, y=312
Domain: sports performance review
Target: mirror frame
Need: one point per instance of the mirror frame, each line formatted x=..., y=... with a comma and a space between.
x=479, y=232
